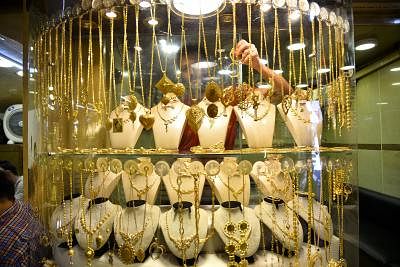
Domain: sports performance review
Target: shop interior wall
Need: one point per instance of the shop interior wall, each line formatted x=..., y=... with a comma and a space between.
x=378, y=121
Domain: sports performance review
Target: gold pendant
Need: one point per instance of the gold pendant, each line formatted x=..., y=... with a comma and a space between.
x=228, y=97
x=140, y=255
x=126, y=253
x=157, y=249
x=132, y=102
x=179, y=89
x=243, y=263
x=213, y=91
x=117, y=125
x=99, y=240
x=132, y=116
x=164, y=84
x=229, y=228
x=212, y=110
x=165, y=100
x=194, y=116
x=89, y=253
x=147, y=120
x=286, y=104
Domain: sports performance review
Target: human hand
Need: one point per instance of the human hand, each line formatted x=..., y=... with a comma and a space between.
x=245, y=52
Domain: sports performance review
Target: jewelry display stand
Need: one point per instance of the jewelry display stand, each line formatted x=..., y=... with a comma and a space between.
x=130, y=130
x=253, y=123
x=169, y=124
x=170, y=225
x=174, y=177
x=304, y=122
x=235, y=213
x=213, y=130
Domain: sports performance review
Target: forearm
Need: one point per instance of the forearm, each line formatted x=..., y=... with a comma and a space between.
x=281, y=86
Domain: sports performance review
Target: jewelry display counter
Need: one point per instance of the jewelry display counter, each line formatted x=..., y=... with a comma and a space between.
x=149, y=148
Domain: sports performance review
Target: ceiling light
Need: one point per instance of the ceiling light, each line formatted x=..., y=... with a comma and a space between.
x=196, y=7
x=321, y=71
x=152, y=22
x=295, y=15
x=145, y=4
x=365, y=44
x=396, y=84
x=224, y=72
x=396, y=21
x=349, y=67
x=5, y=63
x=265, y=7
x=169, y=48
x=302, y=85
x=296, y=46
x=278, y=71
x=395, y=69
x=382, y=103
x=20, y=73
x=111, y=14
x=203, y=65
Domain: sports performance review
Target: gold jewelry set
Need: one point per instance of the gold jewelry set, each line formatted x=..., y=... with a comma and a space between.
x=74, y=81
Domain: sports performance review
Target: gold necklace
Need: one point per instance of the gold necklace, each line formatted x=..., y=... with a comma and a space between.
x=182, y=244
x=126, y=251
x=298, y=115
x=255, y=115
x=142, y=191
x=170, y=120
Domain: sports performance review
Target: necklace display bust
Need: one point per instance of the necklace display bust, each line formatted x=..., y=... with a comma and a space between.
x=282, y=222
x=253, y=123
x=213, y=130
x=134, y=229
x=169, y=122
x=184, y=249
x=233, y=212
x=131, y=130
x=60, y=222
x=102, y=184
x=304, y=121
x=322, y=227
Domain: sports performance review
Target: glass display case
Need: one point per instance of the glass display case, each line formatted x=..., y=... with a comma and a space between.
x=193, y=132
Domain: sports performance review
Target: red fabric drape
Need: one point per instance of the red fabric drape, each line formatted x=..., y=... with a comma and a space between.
x=190, y=138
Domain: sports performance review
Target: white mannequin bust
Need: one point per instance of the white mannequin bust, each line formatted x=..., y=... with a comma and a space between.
x=239, y=185
x=170, y=224
x=187, y=187
x=137, y=219
x=102, y=185
x=280, y=220
x=252, y=124
x=236, y=214
x=130, y=130
x=213, y=130
x=271, y=181
x=169, y=122
x=96, y=213
x=304, y=133
x=322, y=221
x=57, y=223
x=135, y=185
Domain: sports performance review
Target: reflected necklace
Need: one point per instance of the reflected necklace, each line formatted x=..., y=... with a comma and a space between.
x=178, y=188
x=170, y=120
x=235, y=193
